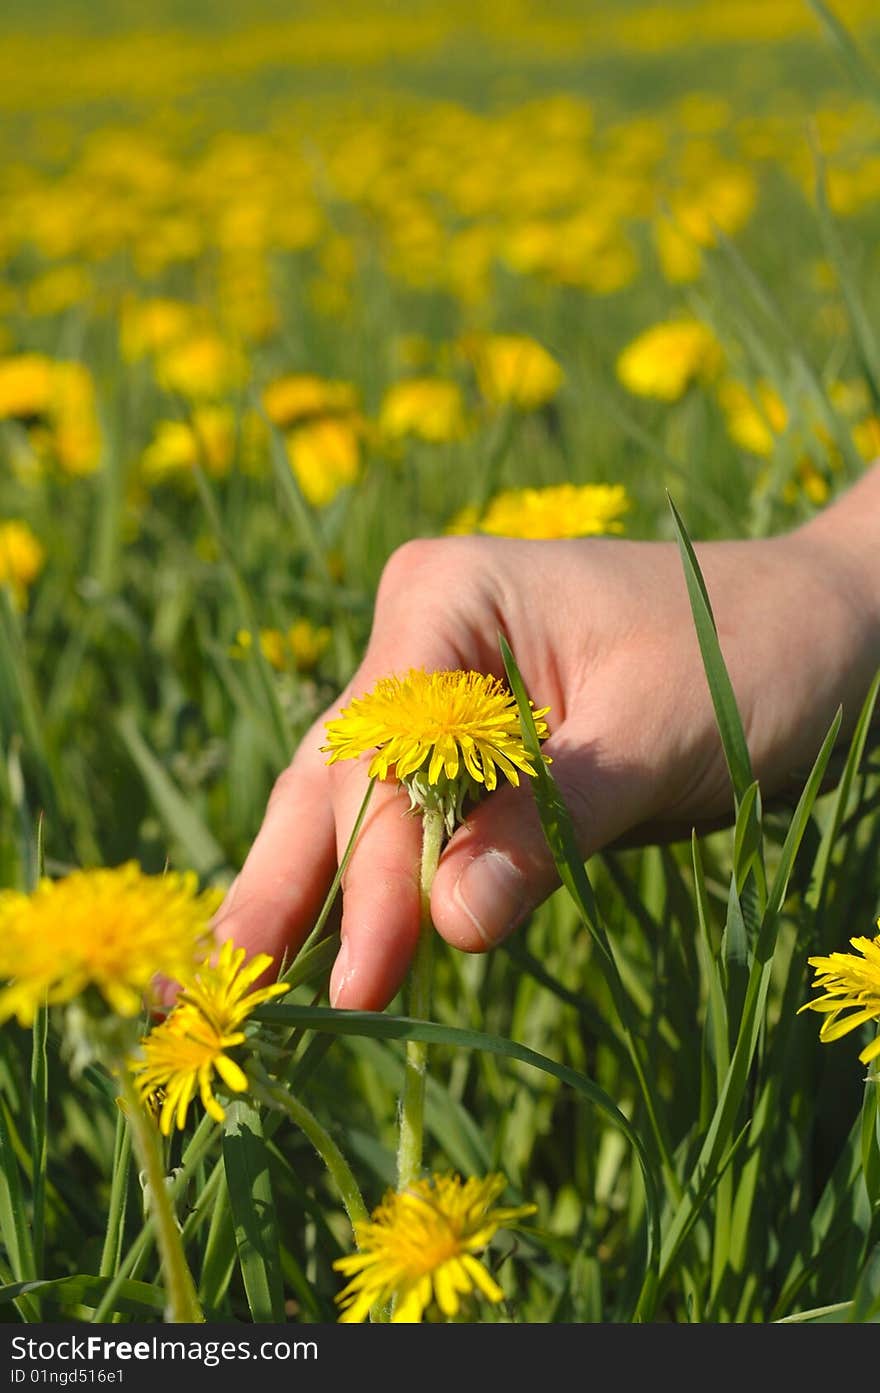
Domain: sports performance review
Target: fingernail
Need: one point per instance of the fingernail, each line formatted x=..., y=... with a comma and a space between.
x=340, y=972
x=491, y=891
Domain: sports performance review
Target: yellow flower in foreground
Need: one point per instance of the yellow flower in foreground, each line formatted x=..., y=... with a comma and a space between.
x=430, y=408
x=515, y=370
x=664, y=360
x=108, y=929
x=21, y=557
x=421, y=1245
x=562, y=510
x=182, y=1054
x=849, y=984
x=444, y=719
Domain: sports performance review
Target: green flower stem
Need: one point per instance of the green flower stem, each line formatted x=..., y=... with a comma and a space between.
x=412, y=1105
x=276, y=1096
x=182, y=1302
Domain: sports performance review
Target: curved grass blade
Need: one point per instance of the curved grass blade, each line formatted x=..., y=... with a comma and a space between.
x=387, y=1027
x=736, y=751
x=133, y=1298
x=202, y=851
x=560, y=836
x=249, y=1185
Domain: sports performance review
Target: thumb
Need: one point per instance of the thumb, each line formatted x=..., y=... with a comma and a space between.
x=498, y=867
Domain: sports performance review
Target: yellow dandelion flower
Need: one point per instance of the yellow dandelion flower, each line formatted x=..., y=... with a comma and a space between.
x=181, y=1055
x=21, y=557
x=849, y=984
x=754, y=420
x=300, y=396
x=562, y=510
x=221, y=990
x=866, y=438
x=201, y=367
x=112, y=929
x=307, y=642
x=178, y=446
x=149, y=326
x=26, y=386
x=180, y=1058
x=515, y=370
x=462, y=725
x=664, y=360
x=430, y=408
x=421, y=1246
x=325, y=457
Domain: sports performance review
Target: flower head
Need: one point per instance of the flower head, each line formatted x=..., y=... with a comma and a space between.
x=181, y=1055
x=562, y=510
x=325, y=457
x=514, y=370
x=420, y=1246
x=850, y=984
x=445, y=734
x=664, y=360
x=21, y=557
x=112, y=930
x=429, y=408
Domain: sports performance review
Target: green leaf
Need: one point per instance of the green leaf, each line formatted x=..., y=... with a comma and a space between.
x=727, y=716
x=249, y=1184
x=383, y=1026
x=132, y=1298
x=202, y=852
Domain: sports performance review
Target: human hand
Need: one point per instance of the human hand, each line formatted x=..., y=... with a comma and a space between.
x=602, y=633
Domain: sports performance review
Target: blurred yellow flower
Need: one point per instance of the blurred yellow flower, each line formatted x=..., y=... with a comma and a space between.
x=866, y=438
x=150, y=326
x=178, y=446
x=202, y=367
x=21, y=557
x=754, y=419
x=430, y=408
x=300, y=647
x=113, y=930
x=664, y=360
x=55, y=401
x=26, y=386
x=59, y=288
x=325, y=457
x=561, y=510
x=515, y=370
x=421, y=1246
x=298, y=397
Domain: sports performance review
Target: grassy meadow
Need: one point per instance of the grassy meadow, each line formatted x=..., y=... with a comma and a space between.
x=281, y=288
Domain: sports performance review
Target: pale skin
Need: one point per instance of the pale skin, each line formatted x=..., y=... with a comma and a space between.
x=603, y=635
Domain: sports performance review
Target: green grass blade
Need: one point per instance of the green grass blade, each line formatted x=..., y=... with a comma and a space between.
x=855, y=62
x=816, y=891
x=727, y=716
x=195, y=842
x=131, y=1297
x=383, y=1026
x=866, y=1297
x=118, y=1203
x=14, y=1228
x=249, y=1185
x=39, y=1104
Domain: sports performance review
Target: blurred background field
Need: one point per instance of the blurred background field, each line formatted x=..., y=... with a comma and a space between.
x=283, y=286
